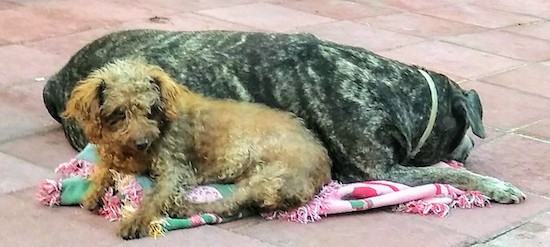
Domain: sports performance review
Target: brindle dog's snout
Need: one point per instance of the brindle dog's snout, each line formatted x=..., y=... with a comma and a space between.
x=463, y=150
x=142, y=143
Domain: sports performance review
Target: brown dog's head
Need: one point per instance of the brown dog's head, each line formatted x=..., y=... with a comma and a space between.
x=125, y=104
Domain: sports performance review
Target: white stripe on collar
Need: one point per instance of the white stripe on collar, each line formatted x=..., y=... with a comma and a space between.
x=433, y=114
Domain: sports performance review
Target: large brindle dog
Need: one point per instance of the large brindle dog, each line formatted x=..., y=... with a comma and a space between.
x=378, y=118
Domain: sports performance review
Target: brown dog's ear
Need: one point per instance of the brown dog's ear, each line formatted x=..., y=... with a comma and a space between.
x=171, y=93
x=86, y=100
x=469, y=107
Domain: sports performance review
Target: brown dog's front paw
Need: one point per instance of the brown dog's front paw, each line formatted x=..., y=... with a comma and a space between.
x=503, y=192
x=133, y=228
x=91, y=201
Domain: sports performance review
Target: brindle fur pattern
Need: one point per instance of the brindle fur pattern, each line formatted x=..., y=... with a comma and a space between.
x=369, y=111
x=142, y=121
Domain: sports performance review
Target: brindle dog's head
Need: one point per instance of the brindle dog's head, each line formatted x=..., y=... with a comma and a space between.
x=125, y=104
x=449, y=139
x=467, y=109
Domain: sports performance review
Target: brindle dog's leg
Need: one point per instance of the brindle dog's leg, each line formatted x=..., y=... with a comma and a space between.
x=376, y=160
x=496, y=189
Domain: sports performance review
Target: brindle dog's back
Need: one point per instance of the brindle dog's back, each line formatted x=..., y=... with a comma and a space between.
x=320, y=81
x=335, y=88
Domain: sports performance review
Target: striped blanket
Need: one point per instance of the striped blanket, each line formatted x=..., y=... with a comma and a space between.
x=122, y=199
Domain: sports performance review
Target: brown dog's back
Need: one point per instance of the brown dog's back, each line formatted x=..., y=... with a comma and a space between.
x=231, y=138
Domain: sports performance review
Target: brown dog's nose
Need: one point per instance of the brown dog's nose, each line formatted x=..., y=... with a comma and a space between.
x=142, y=144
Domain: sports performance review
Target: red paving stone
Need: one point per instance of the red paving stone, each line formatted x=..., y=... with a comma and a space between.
x=473, y=222
x=48, y=149
x=246, y=222
x=24, y=24
x=422, y=25
x=266, y=16
x=539, y=30
x=531, y=7
x=168, y=7
x=539, y=130
x=22, y=63
x=517, y=159
x=491, y=133
x=24, y=110
x=408, y=5
x=535, y=233
x=531, y=79
x=7, y=4
x=74, y=213
x=516, y=46
x=339, y=9
x=451, y=59
x=204, y=236
x=99, y=14
x=476, y=15
x=185, y=22
x=491, y=46
x=373, y=227
x=18, y=174
x=65, y=46
x=508, y=109
x=30, y=224
x=350, y=33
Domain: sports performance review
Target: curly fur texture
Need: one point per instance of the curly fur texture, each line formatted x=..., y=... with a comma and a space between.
x=143, y=121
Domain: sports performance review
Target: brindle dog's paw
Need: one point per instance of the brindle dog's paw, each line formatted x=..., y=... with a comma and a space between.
x=133, y=228
x=503, y=192
x=91, y=201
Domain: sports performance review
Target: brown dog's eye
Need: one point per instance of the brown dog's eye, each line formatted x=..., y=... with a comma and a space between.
x=155, y=110
x=115, y=117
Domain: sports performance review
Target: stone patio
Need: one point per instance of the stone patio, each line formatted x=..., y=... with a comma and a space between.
x=501, y=48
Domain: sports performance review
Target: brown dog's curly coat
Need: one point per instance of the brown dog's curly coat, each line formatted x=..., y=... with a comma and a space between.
x=144, y=122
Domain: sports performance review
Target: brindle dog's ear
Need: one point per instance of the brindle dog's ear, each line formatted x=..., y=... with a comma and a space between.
x=469, y=107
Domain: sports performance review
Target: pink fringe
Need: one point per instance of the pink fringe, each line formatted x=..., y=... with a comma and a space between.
x=310, y=212
x=49, y=192
x=75, y=168
x=132, y=192
x=424, y=208
x=111, y=206
x=454, y=164
x=470, y=199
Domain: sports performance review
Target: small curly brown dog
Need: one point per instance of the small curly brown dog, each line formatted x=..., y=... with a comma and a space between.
x=144, y=122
